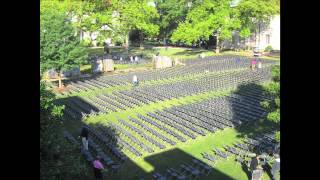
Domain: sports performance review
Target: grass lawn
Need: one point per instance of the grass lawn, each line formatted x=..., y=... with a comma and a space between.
x=173, y=156
x=176, y=52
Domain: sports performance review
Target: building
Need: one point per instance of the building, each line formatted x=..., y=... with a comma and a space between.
x=266, y=34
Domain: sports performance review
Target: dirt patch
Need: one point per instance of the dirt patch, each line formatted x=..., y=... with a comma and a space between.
x=61, y=89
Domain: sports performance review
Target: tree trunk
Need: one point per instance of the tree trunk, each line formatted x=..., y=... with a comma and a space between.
x=126, y=43
x=217, y=44
x=90, y=39
x=141, y=40
x=59, y=78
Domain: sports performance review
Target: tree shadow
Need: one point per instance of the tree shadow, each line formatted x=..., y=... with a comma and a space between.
x=190, y=52
x=76, y=108
x=245, y=105
x=246, y=170
x=160, y=163
x=105, y=140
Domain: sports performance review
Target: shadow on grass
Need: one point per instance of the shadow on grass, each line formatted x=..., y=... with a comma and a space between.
x=109, y=137
x=190, y=52
x=160, y=164
x=246, y=105
x=246, y=170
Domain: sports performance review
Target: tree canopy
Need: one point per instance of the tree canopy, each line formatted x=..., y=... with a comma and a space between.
x=207, y=18
x=60, y=47
x=252, y=12
x=171, y=12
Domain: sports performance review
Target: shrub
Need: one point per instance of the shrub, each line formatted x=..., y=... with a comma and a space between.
x=86, y=43
x=268, y=49
x=276, y=73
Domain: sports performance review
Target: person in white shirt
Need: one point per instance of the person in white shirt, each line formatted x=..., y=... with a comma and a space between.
x=136, y=59
x=135, y=80
x=259, y=64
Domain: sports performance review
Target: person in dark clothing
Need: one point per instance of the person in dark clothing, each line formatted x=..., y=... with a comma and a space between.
x=106, y=48
x=84, y=137
x=97, y=168
x=254, y=163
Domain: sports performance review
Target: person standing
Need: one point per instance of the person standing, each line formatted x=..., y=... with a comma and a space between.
x=254, y=164
x=136, y=59
x=275, y=167
x=259, y=64
x=253, y=64
x=135, y=80
x=97, y=168
x=84, y=137
x=131, y=59
x=106, y=48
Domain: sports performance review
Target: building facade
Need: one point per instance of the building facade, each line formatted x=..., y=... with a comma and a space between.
x=265, y=34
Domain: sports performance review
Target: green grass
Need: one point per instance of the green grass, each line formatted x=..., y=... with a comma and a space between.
x=128, y=86
x=176, y=52
x=132, y=66
x=107, y=90
x=179, y=53
x=112, y=117
x=85, y=69
x=173, y=156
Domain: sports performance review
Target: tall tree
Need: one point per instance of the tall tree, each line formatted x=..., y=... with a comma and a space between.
x=171, y=12
x=207, y=18
x=134, y=14
x=91, y=16
x=253, y=13
x=60, y=48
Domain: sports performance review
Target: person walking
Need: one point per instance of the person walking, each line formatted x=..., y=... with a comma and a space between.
x=84, y=137
x=253, y=64
x=275, y=167
x=254, y=164
x=97, y=168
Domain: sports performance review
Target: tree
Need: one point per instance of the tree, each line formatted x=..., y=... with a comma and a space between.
x=60, y=48
x=91, y=16
x=58, y=158
x=255, y=12
x=129, y=15
x=205, y=19
x=171, y=12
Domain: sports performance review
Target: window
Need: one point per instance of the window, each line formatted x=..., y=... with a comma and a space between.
x=268, y=39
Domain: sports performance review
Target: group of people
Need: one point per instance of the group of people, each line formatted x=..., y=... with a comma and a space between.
x=96, y=163
x=257, y=169
x=134, y=59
